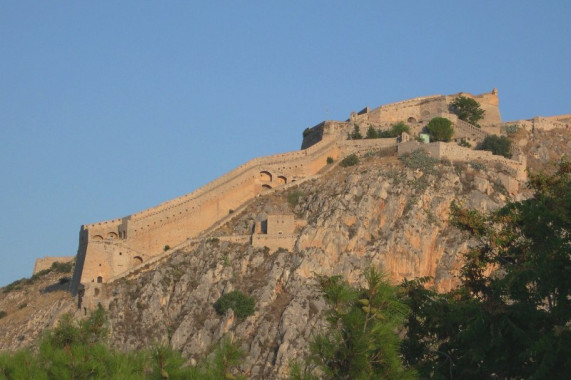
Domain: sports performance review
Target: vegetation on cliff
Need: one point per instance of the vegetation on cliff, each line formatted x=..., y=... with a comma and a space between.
x=362, y=340
x=241, y=304
x=499, y=145
x=467, y=109
x=56, y=267
x=79, y=350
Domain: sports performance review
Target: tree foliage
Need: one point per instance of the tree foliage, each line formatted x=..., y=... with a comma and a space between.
x=499, y=145
x=241, y=304
x=440, y=129
x=79, y=351
x=510, y=318
x=356, y=134
x=350, y=160
x=467, y=109
x=396, y=130
x=361, y=342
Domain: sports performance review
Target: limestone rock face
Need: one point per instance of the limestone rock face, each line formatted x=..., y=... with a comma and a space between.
x=32, y=308
x=378, y=213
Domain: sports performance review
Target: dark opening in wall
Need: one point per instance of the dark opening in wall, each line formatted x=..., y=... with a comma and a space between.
x=99, y=280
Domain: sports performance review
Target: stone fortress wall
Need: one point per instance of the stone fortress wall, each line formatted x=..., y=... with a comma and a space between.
x=46, y=262
x=108, y=250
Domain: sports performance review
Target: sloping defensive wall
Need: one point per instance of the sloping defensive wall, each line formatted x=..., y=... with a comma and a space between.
x=109, y=248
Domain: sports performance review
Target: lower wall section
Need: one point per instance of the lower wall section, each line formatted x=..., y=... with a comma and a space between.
x=46, y=262
x=274, y=242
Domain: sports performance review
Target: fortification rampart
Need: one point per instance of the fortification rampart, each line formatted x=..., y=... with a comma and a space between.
x=454, y=152
x=114, y=246
x=543, y=123
x=46, y=262
x=425, y=108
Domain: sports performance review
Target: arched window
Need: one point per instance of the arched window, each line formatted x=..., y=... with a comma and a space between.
x=99, y=280
x=265, y=176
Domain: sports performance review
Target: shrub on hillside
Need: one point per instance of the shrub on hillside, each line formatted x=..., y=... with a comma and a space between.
x=420, y=160
x=61, y=267
x=440, y=129
x=2, y=314
x=241, y=304
x=293, y=197
x=350, y=160
x=499, y=145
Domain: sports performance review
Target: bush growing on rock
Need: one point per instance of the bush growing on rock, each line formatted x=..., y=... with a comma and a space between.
x=241, y=304
x=293, y=197
x=61, y=267
x=499, y=145
x=350, y=160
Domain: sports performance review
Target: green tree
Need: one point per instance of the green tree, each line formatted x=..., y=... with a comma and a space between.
x=361, y=342
x=398, y=128
x=467, y=109
x=499, y=145
x=511, y=316
x=78, y=351
x=372, y=133
x=440, y=129
x=356, y=134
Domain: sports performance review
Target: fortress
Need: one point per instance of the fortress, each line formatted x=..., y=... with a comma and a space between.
x=111, y=249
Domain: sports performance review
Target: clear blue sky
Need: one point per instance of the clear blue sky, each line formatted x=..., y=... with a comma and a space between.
x=111, y=107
